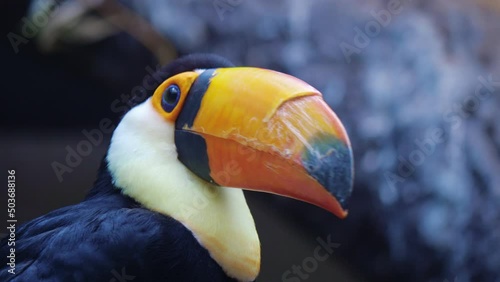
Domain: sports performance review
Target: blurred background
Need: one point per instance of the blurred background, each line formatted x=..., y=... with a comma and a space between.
x=416, y=83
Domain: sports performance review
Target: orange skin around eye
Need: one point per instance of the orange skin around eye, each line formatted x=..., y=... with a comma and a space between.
x=183, y=81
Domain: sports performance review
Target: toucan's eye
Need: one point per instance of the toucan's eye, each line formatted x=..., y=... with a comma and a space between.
x=170, y=98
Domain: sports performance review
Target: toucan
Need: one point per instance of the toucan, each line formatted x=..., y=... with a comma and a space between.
x=168, y=201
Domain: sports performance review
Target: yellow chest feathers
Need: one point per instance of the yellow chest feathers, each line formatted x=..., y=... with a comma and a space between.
x=143, y=161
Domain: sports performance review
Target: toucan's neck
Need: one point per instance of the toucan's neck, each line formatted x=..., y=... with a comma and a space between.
x=142, y=160
x=103, y=185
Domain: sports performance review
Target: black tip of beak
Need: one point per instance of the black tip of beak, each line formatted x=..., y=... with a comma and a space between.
x=329, y=161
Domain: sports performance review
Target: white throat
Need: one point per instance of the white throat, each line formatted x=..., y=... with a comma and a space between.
x=143, y=161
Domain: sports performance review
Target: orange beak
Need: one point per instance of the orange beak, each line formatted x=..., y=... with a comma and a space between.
x=266, y=131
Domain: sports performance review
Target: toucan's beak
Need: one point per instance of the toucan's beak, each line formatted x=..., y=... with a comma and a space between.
x=266, y=131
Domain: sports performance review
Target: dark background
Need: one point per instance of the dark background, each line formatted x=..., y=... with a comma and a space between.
x=437, y=219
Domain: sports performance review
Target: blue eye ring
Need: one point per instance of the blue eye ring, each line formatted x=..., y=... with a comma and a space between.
x=170, y=98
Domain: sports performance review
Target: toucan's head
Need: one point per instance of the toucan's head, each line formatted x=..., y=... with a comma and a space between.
x=210, y=126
